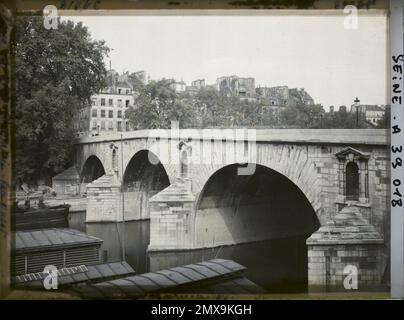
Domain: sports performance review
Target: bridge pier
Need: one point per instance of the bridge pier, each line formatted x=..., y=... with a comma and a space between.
x=104, y=200
x=346, y=246
x=172, y=217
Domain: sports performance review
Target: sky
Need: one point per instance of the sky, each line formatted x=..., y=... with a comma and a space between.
x=333, y=64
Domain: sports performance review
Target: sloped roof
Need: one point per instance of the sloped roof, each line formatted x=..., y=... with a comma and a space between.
x=105, y=181
x=177, y=191
x=69, y=174
x=200, y=276
x=44, y=239
x=373, y=108
x=123, y=84
x=347, y=227
x=78, y=274
x=343, y=153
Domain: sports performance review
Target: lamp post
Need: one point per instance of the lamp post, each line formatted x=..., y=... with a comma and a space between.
x=115, y=168
x=123, y=204
x=357, y=101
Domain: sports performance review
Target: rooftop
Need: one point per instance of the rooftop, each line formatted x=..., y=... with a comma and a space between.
x=50, y=238
x=78, y=274
x=218, y=276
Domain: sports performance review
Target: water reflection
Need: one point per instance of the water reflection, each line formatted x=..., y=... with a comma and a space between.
x=136, y=241
x=278, y=265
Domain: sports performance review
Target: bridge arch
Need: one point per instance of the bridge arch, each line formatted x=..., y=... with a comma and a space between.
x=265, y=207
x=92, y=169
x=144, y=176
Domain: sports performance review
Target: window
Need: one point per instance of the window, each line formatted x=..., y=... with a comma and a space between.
x=110, y=102
x=119, y=125
x=94, y=125
x=119, y=113
x=103, y=101
x=110, y=125
x=127, y=126
x=126, y=103
x=353, y=175
x=119, y=91
x=93, y=102
x=127, y=91
x=102, y=113
x=94, y=113
x=120, y=103
x=103, y=125
x=110, y=114
x=352, y=181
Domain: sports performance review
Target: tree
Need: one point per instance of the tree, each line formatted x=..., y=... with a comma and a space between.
x=289, y=116
x=205, y=105
x=135, y=82
x=342, y=119
x=384, y=122
x=157, y=105
x=57, y=71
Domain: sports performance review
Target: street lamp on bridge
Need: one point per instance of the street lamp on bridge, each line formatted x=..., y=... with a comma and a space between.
x=357, y=101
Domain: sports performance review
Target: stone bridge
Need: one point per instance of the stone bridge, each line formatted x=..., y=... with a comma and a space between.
x=209, y=188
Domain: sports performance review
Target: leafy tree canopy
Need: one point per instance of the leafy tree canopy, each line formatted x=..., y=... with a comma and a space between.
x=156, y=105
x=57, y=71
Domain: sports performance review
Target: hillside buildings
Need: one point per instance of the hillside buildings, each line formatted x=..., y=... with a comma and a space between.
x=234, y=85
x=283, y=96
x=244, y=88
x=178, y=86
x=107, y=111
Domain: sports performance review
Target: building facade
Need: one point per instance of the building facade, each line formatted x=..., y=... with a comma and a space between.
x=199, y=83
x=283, y=96
x=372, y=113
x=107, y=113
x=179, y=86
x=237, y=86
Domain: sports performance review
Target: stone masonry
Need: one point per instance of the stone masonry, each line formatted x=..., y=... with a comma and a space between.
x=314, y=160
x=104, y=200
x=171, y=217
x=346, y=240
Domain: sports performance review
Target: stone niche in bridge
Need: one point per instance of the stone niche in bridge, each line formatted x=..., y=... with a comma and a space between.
x=347, y=239
x=172, y=217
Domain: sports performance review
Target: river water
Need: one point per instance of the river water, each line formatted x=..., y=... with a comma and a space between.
x=278, y=265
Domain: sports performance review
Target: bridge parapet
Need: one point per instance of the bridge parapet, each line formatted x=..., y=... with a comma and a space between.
x=311, y=136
